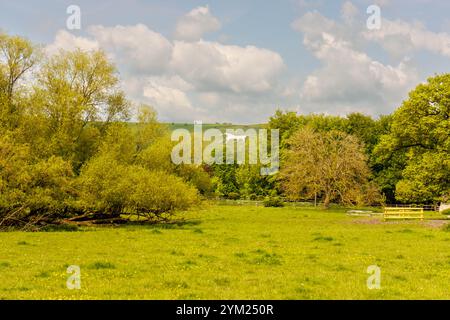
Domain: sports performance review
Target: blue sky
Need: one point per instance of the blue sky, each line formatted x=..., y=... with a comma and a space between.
x=239, y=61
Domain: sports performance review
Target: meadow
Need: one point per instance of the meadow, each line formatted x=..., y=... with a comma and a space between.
x=233, y=252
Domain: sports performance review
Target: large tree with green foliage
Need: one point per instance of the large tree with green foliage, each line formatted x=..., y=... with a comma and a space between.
x=416, y=151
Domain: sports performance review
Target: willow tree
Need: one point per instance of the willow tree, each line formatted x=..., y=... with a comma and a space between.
x=77, y=95
x=17, y=57
x=331, y=165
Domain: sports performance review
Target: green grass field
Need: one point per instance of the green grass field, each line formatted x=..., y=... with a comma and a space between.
x=233, y=252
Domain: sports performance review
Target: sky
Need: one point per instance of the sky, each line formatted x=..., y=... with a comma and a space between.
x=239, y=61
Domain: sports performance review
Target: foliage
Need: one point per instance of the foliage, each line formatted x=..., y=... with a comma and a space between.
x=418, y=143
x=196, y=176
x=273, y=202
x=31, y=187
x=365, y=128
x=17, y=57
x=252, y=183
x=224, y=181
x=108, y=186
x=157, y=156
x=64, y=145
x=331, y=164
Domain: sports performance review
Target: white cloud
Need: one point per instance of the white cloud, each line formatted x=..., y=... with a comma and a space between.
x=170, y=102
x=214, y=66
x=312, y=25
x=400, y=38
x=348, y=79
x=351, y=77
x=186, y=79
x=135, y=47
x=195, y=24
x=67, y=41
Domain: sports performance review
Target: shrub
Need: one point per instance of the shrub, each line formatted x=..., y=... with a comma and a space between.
x=50, y=188
x=196, y=176
x=157, y=156
x=233, y=196
x=102, y=185
x=31, y=189
x=446, y=212
x=273, y=202
x=253, y=196
x=156, y=192
x=110, y=187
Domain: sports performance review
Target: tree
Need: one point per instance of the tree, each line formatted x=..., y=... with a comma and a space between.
x=224, y=180
x=17, y=57
x=286, y=122
x=78, y=96
x=418, y=143
x=330, y=164
x=425, y=179
x=252, y=184
x=149, y=129
x=66, y=150
x=365, y=128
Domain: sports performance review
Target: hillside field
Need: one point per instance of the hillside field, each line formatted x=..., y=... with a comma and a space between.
x=190, y=126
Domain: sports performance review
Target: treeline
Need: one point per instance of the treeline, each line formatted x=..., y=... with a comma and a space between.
x=408, y=152
x=399, y=158
x=67, y=150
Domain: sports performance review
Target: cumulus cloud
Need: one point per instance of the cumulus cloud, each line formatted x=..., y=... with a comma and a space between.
x=136, y=47
x=351, y=80
x=67, y=41
x=195, y=24
x=183, y=79
x=171, y=102
x=187, y=78
x=313, y=24
x=348, y=79
x=211, y=65
x=400, y=38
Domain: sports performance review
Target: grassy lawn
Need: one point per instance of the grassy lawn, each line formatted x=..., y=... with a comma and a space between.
x=233, y=252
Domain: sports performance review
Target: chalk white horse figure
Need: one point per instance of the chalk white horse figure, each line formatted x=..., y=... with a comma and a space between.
x=230, y=136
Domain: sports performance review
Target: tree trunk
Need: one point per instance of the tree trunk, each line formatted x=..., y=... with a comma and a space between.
x=326, y=202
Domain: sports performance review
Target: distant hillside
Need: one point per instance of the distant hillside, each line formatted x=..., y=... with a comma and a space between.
x=221, y=126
